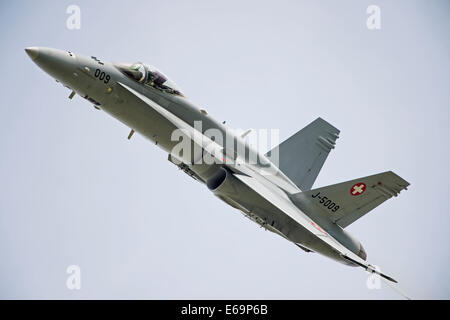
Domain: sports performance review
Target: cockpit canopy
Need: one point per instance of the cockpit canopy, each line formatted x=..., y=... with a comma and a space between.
x=150, y=76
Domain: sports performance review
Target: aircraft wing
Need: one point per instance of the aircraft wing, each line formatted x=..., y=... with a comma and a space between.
x=277, y=198
x=282, y=202
x=202, y=141
x=185, y=129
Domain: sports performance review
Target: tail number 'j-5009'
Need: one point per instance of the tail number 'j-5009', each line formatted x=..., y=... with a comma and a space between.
x=99, y=74
x=329, y=204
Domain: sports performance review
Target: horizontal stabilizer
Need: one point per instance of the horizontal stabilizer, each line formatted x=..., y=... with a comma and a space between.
x=302, y=156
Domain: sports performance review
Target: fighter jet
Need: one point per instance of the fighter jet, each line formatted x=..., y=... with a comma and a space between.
x=277, y=195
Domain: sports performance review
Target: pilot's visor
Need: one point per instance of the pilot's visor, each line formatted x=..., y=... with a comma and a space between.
x=135, y=71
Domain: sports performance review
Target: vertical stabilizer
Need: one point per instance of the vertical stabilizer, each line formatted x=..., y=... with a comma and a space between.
x=302, y=156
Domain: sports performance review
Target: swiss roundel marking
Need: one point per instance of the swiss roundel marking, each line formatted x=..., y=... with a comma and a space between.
x=358, y=189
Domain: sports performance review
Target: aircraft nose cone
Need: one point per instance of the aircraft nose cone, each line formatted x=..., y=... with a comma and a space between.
x=59, y=64
x=33, y=52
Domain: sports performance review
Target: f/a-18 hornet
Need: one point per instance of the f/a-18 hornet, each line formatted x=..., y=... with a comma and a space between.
x=274, y=190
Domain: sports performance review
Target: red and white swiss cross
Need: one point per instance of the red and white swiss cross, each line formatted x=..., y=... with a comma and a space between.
x=358, y=189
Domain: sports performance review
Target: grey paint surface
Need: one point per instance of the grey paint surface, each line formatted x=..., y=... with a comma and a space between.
x=75, y=191
x=303, y=154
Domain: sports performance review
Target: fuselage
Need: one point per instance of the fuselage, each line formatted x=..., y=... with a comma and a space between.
x=117, y=92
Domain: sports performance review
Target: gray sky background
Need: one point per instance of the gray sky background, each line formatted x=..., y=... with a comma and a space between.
x=73, y=190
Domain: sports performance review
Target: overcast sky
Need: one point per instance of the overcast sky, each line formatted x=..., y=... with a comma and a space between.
x=75, y=191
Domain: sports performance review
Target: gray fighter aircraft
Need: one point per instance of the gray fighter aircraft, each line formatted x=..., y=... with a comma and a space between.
x=277, y=196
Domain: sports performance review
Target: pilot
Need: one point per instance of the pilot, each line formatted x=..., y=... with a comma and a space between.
x=138, y=72
x=150, y=78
